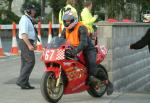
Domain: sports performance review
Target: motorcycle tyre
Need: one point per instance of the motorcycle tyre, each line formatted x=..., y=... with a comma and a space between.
x=92, y=90
x=44, y=91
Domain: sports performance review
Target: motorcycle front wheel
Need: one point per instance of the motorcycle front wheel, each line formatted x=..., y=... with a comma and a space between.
x=100, y=89
x=49, y=90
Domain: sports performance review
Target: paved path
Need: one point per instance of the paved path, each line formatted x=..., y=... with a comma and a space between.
x=10, y=93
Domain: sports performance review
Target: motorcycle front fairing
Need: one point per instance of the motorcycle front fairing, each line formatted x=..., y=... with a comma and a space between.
x=53, y=54
x=77, y=76
x=53, y=60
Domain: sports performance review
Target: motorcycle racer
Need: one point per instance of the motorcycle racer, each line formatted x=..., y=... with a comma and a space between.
x=77, y=34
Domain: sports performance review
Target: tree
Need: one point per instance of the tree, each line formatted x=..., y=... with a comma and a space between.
x=118, y=9
x=142, y=5
x=43, y=7
x=56, y=6
x=7, y=3
x=79, y=6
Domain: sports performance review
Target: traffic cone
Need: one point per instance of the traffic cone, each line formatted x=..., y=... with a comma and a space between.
x=49, y=33
x=60, y=30
x=14, y=50
x=1, y=49
x=39, y=46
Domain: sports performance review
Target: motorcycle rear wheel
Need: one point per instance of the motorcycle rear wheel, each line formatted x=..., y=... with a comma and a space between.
x=50, y=92
x=101, y=89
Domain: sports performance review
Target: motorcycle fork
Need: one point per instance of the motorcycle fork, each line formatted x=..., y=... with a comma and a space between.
x=59, y=77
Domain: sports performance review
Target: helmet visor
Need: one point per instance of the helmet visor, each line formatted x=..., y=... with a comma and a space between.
x=68, y=19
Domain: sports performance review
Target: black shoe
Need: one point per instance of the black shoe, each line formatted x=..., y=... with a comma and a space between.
x=28, y=87
x=24, y=86
x=32, y=87
x=110, y=88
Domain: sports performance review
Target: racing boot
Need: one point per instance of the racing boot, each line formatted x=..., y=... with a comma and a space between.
x=110, y=88
x=103, y=77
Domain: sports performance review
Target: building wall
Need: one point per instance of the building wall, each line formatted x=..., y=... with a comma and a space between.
x=128, y=69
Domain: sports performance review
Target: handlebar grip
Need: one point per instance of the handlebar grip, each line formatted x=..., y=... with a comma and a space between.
x=70, y=47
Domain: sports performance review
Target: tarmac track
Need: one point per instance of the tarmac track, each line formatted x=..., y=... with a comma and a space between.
x=10, y=93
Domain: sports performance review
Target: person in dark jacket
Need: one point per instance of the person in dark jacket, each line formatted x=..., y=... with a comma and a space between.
x=144, y=41
x=77, y=34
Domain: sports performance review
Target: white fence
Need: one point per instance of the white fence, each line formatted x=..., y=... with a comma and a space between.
x=3, y=27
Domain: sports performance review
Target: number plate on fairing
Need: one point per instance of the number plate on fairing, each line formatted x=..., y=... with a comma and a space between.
x=53, y=54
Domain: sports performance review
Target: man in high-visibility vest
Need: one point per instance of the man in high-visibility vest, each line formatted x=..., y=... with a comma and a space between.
x=76, y=33
x=69, y=6
x=87, y=18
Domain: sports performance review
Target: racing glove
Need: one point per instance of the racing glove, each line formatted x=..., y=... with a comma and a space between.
x=70, y=53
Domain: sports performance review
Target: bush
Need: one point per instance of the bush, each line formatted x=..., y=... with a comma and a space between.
x=7, y=17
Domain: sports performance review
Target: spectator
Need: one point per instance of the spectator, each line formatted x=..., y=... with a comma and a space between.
x=69, y=6
x=27, y=36
x=87, y=18
x=144, y=41
x=147, y=18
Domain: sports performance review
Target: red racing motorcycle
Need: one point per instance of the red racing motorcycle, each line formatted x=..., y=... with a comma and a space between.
x=64, y=75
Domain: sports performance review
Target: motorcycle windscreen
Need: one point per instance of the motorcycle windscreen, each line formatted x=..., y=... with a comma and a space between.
x=56, y=42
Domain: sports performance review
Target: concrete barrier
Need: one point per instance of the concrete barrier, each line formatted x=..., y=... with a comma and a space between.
x=128, y=69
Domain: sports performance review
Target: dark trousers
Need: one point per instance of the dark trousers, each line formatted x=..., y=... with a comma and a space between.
x=90, y=57
x=27, y=62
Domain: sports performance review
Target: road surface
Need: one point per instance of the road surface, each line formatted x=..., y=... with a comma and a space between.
x=11, y=93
